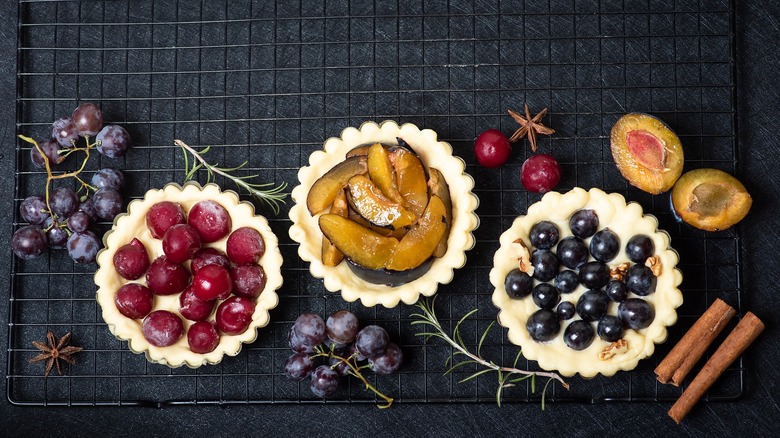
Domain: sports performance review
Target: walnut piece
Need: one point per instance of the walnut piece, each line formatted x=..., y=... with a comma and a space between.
x=619, y=272
x=523, y=256
x=654, y=263
x=618, y=347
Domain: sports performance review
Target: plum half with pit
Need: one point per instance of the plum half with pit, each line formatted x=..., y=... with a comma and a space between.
x=710, y=199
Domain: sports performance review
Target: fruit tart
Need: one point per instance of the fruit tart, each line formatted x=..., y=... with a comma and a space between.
x=384, y=213
x=586, y=283
x=188, y=275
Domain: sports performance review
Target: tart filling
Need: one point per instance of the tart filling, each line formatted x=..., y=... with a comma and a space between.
x=353, y=284
x=132, y=225
x=599, y=356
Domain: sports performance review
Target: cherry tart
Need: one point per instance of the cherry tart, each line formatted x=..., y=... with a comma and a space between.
x=384, y=213
x=188, y=275
x=586, y=283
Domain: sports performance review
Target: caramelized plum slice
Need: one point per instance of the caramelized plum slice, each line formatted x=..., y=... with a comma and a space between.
x=327, y=187
x=420, y=242
x=363, y=246
x=367, y=199
x=437, y=186
x=331, y=256
x=412, y=183
x=382, y=173
x=647, y=152
x=710, y=199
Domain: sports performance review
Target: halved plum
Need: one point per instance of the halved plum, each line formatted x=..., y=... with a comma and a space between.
x=420, y=242
x=357, y=242
x=331, y=256
x=366, y=198
x=412, y=182
x=710, y=199
x=382, y=173
x=327, y=187
x=647, y=152
x=437, y=186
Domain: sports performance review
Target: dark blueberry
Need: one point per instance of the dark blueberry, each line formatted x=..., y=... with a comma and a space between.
x=518, y=284
x=616, y=291
x=639, y=248
x=543, y=325
x=545, y=295
x=592, y=305
x=572, y=252
x=605, y=245
x=578, y=335
x=545, y=264
x=610, y=328
x=566, y=310
x=544, y=235
x=566, y=281
x=594, y=275
x=636, y=313
x=640, y=280
x=584, y=223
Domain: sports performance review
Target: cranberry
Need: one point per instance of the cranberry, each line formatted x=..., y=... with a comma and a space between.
x=162, y=216
x=248, y=280
x=540, y=173
x=131, y=260
x=166, y=278
x=245, y=246
x=202, y=337
x=192, y=307
x=180, y=242
x=134, y=300
x=492, y=148
x=162, y=328
x=211, y=220
x=208, y=256
x=212, y=282
x=234, y=315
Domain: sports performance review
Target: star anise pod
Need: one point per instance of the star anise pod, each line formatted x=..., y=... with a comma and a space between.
x=55, y=350
x=530, y=127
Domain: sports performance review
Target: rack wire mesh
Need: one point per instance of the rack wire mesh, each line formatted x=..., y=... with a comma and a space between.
x=267, y=82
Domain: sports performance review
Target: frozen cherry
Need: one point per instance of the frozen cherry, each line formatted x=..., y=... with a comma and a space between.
x=492, y=148
x=540, y=173
x=202, y=337
x=180, y=242
x=212, y=282
x=162, y=328
x=245, y=246
x=211, y=220
x=162, y=216
x=208, y=256
x=234, y=315
x=131, y=260
x=134, y=300
x=165, y=277
x=192, y=307
x=248, y=280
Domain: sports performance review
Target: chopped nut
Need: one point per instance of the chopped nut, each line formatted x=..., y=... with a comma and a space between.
x=523, y=256
x=618, y=347
x=654, y=263
x=619, y=272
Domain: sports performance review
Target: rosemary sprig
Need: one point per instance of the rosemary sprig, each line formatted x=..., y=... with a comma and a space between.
x=507, y=376
x=354, y=370
x=263, y=192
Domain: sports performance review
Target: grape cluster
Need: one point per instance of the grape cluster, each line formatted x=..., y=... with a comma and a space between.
x=61, y=218
x=347, y=350
x=584, y=264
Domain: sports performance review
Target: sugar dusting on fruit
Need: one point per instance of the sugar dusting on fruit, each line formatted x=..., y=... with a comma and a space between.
x=648, y=149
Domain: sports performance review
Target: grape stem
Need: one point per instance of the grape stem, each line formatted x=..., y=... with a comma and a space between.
x=354, y=370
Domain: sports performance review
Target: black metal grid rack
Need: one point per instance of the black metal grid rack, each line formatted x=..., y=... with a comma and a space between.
x=268, y=82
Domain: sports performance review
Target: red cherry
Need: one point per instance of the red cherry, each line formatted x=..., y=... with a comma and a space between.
x=167, y=278
x=248, y=280
x=193, y=308
x=208, y=256
x=134, y=300
x=492, y=148
x=162, y=216
x=245, y=246
x=162, y=328
x=234, y=315
x=211, y=220
x=131, y=260
x=202, y=337
x=180, y=242
x=212, y=282
x=540, y=173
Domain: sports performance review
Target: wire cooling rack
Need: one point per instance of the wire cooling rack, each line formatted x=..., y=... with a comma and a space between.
x=268, y=82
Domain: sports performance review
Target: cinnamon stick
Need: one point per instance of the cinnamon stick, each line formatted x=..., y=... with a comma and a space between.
x=679, y=362
x=732, y=347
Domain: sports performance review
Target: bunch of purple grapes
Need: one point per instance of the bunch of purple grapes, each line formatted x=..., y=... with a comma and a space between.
x=62, y=218
x=347, y=349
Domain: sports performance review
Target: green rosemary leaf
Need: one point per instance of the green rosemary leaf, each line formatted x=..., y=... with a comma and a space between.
x=482, y=339
x=475, y=375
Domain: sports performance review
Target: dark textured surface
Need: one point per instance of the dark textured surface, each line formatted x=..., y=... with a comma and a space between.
x=757, y=31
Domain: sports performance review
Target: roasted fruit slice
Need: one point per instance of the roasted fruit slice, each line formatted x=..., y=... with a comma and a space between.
x=331, y=256
x=438, y=187
x=382, y=173
x=325, y=189
x=647, y=152
x=359, y=151
x=410, y=174
x=358, y=243
x=370, y=203
x=420, y=242
x=710, y=199
x=384, y=231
